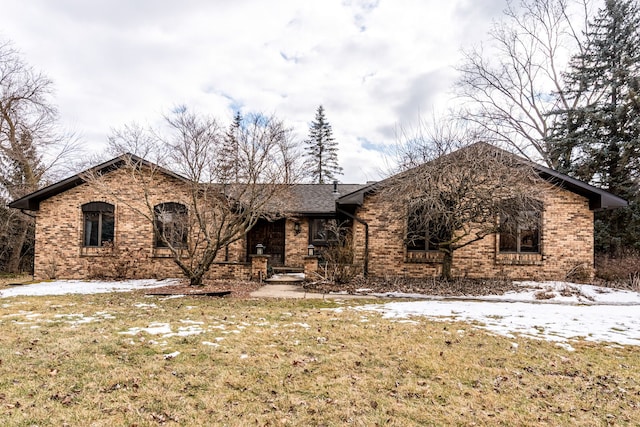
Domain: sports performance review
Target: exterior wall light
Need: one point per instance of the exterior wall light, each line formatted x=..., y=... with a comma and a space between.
x=296, y=228
x=311, y=250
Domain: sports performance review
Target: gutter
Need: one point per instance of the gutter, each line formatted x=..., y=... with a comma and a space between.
x=365, y=269
x=27, y=214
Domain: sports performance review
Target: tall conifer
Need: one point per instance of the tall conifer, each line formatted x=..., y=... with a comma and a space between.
x=603, y=131
x=322, y=151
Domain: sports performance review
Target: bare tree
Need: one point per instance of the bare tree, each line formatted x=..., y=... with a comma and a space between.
x=459, y=197
x=515, y=84
x=137, y=140
x=31, y=142
x=338, y=255
x=212, y=208
x=430, y=138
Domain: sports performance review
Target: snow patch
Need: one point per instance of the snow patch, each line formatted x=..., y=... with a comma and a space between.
x=63, y=287
x=554, y=322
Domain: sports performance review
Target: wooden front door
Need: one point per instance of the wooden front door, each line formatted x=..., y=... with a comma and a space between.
x=271, y=235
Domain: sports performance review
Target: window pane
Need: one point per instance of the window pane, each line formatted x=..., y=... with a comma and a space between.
x=438, y=233
x=108, y=222
x=416, y=231
x=176, y=233
x=91, y=221
x=171, y=223
x=318, y=230
x=161, y=232
x=508, y=235
x=530, y=240
x=522, y=235
x=323, y=231
x=416, y=243
x=508, y=243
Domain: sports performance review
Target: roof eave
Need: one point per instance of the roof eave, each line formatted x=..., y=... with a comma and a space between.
x=356, y=198
x=32, y=201
x=599, y=199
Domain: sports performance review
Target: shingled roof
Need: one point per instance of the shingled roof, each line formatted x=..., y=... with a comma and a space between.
x=302, y=199
x=599, y=199
x=316, y=199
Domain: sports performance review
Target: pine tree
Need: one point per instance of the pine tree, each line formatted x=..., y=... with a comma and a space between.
x=603, y=132
x=322, y=150
x=229, y=152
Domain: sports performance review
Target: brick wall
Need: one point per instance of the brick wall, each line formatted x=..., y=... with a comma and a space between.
x=566, y=242
x=295, y=249
x=59, y=231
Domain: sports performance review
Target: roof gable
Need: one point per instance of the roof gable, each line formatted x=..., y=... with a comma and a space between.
x=599, y=199
x=32, y=201
x=305, y=199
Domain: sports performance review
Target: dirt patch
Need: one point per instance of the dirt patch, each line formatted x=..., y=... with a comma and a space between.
x=238, y=288
x=457, y=287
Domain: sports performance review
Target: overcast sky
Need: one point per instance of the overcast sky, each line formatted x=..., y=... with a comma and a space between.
x=373, y=64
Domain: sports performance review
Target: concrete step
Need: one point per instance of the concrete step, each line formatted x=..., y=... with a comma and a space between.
x=286, y=278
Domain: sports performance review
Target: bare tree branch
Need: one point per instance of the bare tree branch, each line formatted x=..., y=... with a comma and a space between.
x=205, y=208
x=513, y=86
x=457, y=196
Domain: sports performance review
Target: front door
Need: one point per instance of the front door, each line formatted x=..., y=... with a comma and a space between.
x=271, y=235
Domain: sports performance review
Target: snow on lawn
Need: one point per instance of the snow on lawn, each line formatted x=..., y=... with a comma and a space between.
x=563, y=292
x=551, y=292
x=554, y=322
x=553, y=311
x=61, y=287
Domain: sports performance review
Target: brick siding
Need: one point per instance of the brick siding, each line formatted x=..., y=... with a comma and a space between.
x=566, y=244
x=59, y=251
x=566, y=239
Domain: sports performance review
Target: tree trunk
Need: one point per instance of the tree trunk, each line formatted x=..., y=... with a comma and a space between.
x=196, y=279
x=447, y=261
x=13, y=264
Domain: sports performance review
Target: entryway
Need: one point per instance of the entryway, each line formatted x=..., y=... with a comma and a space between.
x=270, y=234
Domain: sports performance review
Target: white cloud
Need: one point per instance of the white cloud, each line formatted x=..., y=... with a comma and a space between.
x=372, y=64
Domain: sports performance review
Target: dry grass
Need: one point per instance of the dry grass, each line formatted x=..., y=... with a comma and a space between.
x=291, y=363
x=9, y=279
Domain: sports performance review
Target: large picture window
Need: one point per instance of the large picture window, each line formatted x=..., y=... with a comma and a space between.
x=99, y=224
x=520, y=234
x=171, y=225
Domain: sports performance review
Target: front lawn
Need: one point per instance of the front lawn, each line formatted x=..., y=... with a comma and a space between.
x=127, y=359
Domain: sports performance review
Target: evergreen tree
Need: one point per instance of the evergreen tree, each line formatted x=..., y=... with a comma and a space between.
x=229, y=152
x=603, y=131
x=322, y=150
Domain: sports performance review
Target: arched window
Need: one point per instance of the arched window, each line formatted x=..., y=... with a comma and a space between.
x=99, y=222
x=171, y=225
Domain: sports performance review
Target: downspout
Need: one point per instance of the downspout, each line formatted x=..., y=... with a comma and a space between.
x=365, y=269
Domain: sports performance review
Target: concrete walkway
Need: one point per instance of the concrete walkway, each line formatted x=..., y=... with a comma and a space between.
x=297, y=291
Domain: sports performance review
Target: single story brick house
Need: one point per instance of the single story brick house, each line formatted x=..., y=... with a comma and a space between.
x=74, y=222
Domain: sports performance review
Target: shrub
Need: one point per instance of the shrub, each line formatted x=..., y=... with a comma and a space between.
x=623, y=269
x=339, y=265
